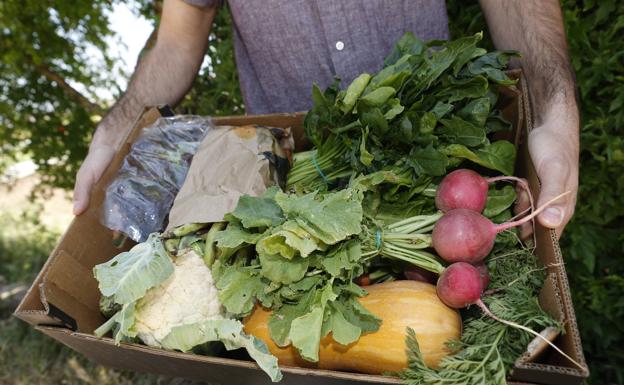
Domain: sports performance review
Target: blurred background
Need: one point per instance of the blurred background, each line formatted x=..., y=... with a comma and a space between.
x=62, y=64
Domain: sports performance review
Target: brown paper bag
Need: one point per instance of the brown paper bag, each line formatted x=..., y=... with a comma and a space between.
x=229, y=162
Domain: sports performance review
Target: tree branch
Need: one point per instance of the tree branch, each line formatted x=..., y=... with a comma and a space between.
x=89, y=106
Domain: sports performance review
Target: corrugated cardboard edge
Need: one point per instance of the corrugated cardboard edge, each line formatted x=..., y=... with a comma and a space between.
x=284, y=120
x=543, y=373
x=195, y=366
x=140, y=357
x=554, y=306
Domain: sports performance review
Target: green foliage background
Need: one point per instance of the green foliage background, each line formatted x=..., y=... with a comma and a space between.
x=44, y=47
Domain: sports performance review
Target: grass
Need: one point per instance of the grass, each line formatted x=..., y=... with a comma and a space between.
x=28, y=357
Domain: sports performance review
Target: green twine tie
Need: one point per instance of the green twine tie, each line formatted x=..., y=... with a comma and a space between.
x=318, y=168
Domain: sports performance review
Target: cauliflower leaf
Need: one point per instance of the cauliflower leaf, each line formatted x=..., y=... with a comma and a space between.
x=124, y=320
x=129, y=275
x=228, y=331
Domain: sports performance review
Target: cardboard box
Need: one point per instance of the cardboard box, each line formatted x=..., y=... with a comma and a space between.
x=63, y=300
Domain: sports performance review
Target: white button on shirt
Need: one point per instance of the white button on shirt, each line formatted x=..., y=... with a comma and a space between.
x=339, y=45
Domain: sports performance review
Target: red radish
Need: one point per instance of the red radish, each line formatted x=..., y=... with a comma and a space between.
x=463, y=235
x=415, y=273
x=466, y=189
x=459, y=285
x=363, y=280
x=485, y=275
x=463, y=189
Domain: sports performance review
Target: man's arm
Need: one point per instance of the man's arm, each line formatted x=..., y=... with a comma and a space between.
x=535, y=28
x=164, y=76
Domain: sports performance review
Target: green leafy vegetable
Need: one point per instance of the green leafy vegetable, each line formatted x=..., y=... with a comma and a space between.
x=499, y=200
x=353, y=92
x=235, y=235
x=230, y=333
x=430, y=103
x=330, y=218
x=279, y=270
x=129, y=275
x=238, y=288
x=304, y=266
x=500, y=155
x=122, y=324
x=259, y=211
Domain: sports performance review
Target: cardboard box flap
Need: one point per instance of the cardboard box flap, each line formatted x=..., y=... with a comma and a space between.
x=213, y=369
x=550, y=298
x=552, y=368
x=58, y=288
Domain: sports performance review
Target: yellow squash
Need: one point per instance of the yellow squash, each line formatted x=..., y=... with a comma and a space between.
x=400, y=304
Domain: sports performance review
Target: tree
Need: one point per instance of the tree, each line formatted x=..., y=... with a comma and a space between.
x=53, y=56
x=47, y=74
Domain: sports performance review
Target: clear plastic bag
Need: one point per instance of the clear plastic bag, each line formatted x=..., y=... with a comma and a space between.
x=138, y=200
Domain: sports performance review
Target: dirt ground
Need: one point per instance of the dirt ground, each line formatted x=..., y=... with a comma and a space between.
x=57, y=207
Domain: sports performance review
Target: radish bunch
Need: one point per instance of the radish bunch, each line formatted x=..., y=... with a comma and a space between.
x=464, y=237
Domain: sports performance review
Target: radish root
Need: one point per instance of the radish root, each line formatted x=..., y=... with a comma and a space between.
x=487, y=312
x=522, y=182
x=543, y=207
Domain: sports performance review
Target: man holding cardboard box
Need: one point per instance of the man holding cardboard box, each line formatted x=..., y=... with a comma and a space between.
x=282, y=47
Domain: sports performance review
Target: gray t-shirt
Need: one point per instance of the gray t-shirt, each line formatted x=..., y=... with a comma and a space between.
x=282, y=47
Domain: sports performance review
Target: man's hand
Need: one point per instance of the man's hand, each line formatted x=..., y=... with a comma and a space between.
x=90, y=172
x=535, y=28
x=555, y=157
x=163, y=76
x=554, y=150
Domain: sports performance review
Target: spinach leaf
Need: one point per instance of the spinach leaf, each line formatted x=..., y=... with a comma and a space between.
x=462, y=132
x=499, y=200
x=499, y=155
x=428, y=161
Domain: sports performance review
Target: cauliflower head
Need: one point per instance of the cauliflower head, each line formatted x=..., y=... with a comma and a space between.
x=189, y=295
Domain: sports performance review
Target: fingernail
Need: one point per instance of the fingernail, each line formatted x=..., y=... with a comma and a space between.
x=77, y=207
x=552, y=216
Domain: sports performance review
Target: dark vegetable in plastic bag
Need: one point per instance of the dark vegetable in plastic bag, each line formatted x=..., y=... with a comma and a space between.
x=139, y=198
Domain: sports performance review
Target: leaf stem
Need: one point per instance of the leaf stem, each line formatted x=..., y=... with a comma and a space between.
x=209, y=250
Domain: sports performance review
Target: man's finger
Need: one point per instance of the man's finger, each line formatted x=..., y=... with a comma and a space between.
x=90, y=172
x=554, y=177
x=522, y=206
x=82, y=189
